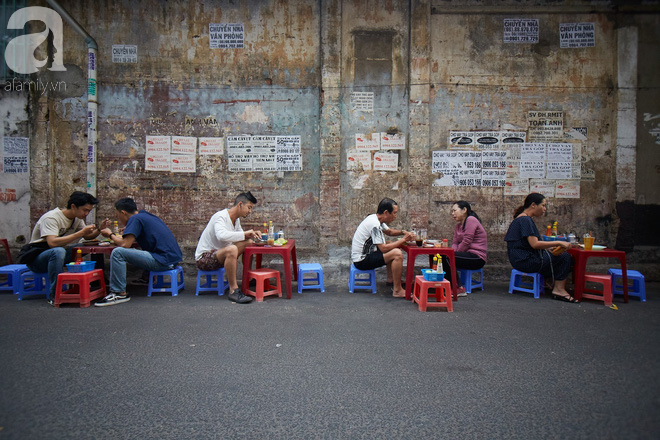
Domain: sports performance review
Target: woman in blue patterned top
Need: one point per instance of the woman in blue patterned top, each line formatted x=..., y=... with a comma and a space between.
x=529, y=253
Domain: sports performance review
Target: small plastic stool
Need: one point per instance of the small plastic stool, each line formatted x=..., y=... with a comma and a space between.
x=516, y=283
x=442, y=294
x=606, y=294
x=13, y=273
x=33, y=284
x=468, y=282
x=314, y=268
x=637, y=289
x=78, y=290
x=206, y=283
x=263, y=288
x=353, y=279
x=158, y=284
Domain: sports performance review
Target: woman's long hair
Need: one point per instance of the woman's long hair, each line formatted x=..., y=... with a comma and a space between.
x=531, y=198
x=470, y=213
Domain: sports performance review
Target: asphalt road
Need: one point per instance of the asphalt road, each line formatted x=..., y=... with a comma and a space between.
x=330, y=365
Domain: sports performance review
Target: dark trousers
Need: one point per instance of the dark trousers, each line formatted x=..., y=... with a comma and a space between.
x=464, y=260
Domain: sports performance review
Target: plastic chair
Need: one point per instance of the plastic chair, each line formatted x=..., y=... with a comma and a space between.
x=353, y=279
x=5, y=243
x=158, y=284
x=516, y=283
x=263, y=287
x=604, y=295
x=442, y=294
x=13, y=273
x=638, y=287
x=33, y=284
x=315, y=269
x=468, y=282
x=75, y=287
x=207, y=283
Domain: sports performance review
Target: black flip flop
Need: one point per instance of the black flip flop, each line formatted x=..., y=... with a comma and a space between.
x=568, y=298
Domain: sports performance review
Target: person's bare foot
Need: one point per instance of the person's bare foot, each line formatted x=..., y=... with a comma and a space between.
x=399, y=294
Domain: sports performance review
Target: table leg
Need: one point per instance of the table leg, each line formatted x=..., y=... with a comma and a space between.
x=624, y=275
x=295, y=262
x=410, y=279
x=578, y=276
x=287, y=274
x=247, y=263
x=454, y=284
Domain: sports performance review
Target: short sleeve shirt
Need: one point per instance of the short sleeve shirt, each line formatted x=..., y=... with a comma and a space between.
x=367, y=236
x=54, y=222
x=154, y=236
x=518, y=246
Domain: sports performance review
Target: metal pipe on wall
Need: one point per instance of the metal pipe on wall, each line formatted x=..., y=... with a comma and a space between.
x=92, y=103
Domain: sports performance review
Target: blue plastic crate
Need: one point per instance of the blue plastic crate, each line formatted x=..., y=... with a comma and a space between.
x=85, y=266
x=432, y=275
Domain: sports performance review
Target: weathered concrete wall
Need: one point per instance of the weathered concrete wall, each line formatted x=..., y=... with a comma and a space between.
x=433, y=66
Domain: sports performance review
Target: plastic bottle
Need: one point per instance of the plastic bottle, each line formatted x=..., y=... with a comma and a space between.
x=271, y=233
x=435, y=263
x=445, y=242
x=548, y=232
x=554, y=228
x=280, y=235
x=79, y=259
x=264, y=233
x=115, y=228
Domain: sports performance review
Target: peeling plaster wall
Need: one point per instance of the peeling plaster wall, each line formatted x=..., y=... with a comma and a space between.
x=445, y=68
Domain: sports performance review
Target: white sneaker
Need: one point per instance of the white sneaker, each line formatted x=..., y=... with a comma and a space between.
x=112, y=299
x=461, y=291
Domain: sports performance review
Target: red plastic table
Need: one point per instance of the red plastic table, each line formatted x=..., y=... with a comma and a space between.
x=288, y=253
x=413, y=251
x=580, y=268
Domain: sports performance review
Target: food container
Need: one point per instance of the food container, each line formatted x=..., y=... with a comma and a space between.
x=85, y=266
x=432, y=275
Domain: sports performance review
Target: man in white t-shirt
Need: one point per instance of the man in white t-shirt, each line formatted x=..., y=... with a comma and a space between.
x=223, y=241
x=370, y=250
x=60, y=228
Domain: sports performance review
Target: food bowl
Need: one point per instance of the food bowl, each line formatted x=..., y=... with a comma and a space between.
x=432, y=275
x=85, y=266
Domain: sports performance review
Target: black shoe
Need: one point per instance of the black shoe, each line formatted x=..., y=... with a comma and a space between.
x=237, y=296
x=112, y=299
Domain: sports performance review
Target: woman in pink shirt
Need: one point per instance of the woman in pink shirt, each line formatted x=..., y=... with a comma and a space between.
x=470, y=242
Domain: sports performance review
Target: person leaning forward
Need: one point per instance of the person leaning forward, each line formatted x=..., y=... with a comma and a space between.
x=370, y=250
x=60, y=228
x=158, y=248
x=223, y=241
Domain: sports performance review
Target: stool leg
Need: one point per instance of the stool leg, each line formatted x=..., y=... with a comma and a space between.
x=423, y=297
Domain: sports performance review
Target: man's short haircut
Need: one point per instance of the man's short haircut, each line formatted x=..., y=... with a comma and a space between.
x=79, y=198
x=126, y=204
x=245, y=197
x=386, y=205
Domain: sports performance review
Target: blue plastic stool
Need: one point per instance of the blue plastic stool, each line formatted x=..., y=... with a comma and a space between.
x=353, y=279
x=516, y=283
x=33, y=284
x=157, y=281
x=13, y=273
x=637, y=289
x=314, y=268
x=206, y=283
x=468, y=282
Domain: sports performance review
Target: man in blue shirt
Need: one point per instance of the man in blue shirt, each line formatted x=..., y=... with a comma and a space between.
x=159, y=249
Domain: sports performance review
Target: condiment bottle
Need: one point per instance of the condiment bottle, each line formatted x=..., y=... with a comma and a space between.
x=548, y=232
x=435, y=263
x=271, y=234
x=445, y=242
x=79, y=259
x=115, y=228
x=264, y=234
x=554, y=228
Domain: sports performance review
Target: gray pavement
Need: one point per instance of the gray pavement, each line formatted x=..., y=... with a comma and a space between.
x=330, y=365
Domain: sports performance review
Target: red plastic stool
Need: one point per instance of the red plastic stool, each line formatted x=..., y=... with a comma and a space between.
x=442, y=294
x=606, y=294
x=78, y=284
x=263, y=286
